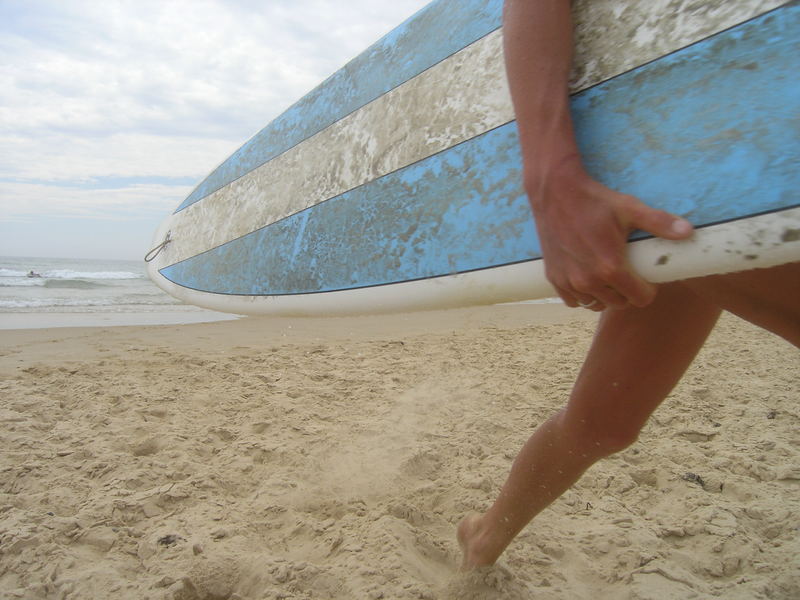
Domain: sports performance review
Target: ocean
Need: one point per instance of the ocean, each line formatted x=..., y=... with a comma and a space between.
x=52, y=292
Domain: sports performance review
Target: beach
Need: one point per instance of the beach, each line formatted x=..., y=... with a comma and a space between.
x=279, y=458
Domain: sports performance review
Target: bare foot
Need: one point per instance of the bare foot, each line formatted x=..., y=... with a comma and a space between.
x=468, y=533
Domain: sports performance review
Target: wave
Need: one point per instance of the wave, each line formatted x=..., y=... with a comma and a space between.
x=72, y=275
x=21, y=282
x=73, y=284
x=67, y=274
x=12, y=273
x=55, y=303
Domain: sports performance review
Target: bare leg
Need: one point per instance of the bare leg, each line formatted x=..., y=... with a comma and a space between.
x=636, y=358
x=769, y=298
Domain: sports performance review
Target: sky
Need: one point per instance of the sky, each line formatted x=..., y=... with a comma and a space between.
x=112, y=111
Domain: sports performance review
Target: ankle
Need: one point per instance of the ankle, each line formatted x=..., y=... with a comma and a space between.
x=475, y=541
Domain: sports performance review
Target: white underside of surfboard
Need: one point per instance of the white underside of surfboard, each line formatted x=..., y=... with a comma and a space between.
x=756, y=242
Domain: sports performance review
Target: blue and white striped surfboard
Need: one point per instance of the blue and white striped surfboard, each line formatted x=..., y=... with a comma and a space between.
x=396, y=184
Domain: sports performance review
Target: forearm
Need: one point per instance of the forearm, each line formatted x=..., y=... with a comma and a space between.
x=582, y=224
x=538, y=53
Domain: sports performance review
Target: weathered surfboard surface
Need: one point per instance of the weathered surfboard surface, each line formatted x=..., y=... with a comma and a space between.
x=396, y=183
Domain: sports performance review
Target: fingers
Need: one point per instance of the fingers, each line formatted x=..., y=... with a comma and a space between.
x=618, y=288
x=629, y=288
x=658, y=222
x=588, y=303
x=584, y=232
x=594, y=305
x=609, y=279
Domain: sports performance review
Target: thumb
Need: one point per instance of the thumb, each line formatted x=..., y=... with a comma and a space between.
x=658, y=222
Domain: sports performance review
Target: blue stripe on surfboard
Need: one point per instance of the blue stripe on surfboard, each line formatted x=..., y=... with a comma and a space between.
x=436, y=32
x=712, y=135
x=751, y=129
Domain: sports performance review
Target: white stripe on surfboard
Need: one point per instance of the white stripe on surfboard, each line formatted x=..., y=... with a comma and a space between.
x=761, y=241
x=453, y=101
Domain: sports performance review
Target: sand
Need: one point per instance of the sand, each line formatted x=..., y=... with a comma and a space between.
x=332, y=458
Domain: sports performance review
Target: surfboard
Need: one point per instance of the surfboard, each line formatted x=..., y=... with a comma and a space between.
x=396, y=183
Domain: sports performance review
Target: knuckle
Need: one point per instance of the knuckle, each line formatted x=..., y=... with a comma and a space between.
x=632, y=204
x=581, y=283
x=608, y=269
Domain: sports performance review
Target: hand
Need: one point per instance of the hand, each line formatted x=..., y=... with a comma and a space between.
x=583, y=227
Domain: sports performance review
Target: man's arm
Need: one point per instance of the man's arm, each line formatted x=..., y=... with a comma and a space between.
x=583, y=225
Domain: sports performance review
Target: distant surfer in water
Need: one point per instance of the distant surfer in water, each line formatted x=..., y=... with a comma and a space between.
x=33, y=274
x=647, y=336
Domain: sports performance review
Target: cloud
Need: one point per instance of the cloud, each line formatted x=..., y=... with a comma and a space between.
x=184, y=68
x=61, y=156
x=101, y=202
x=151, y=89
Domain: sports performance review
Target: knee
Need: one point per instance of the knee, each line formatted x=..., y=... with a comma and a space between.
x=599, y=436
x=616, y=440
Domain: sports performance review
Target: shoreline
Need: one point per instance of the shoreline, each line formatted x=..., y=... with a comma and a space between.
x=58, y=320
